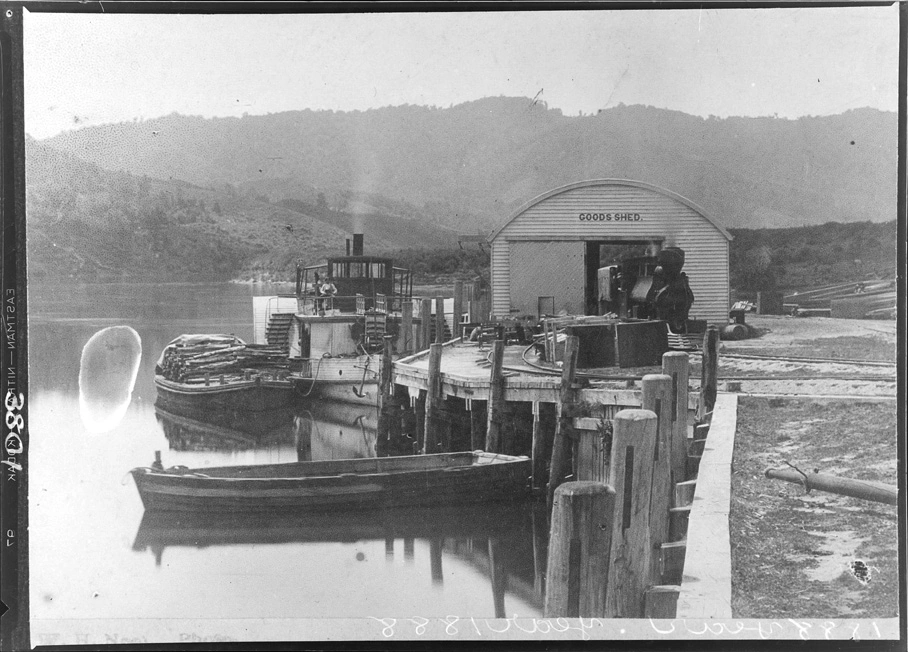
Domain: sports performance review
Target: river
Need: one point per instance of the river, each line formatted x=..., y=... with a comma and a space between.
x=93, y=556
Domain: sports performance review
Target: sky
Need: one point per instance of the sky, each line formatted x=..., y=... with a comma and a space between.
x=89, y=69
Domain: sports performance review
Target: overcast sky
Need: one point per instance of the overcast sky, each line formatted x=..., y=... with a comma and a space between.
x=86, y=69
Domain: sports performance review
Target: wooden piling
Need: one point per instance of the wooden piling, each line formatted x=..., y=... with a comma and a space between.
x=592, y=449
x=537, y=451
x=433, y=398
x=439, y=320
x=425, y=316
x=408, y=549
x=420, y=414
x=578, y=571
x=709, y=372
x=631, y=476
x=676, y=364
x=478, y=419
x=385, y=398
x=496, y=400
x=657, y=397
x=406, y=325
x=458, y=308
x=562, y=424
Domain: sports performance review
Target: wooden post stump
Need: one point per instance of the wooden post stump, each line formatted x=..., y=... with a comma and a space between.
x=631, y=476
x=677, y=365
x=562, y=424
x=496, y=400
x=578, y=571
x=657, y=397
x=433, y=398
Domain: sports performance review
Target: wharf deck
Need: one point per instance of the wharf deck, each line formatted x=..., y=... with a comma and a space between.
x=466, y=374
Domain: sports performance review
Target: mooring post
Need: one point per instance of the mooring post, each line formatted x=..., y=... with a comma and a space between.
x=709, y=373
x=458, y=308
x=578, y=571
x=406, y=325
x=478, y=418
x=433, y=398
x=657, y=397
x=676, y=364
x=439, y=320
x=425, y=316
x=496, y=399
x=562, y=424
x=631, y=476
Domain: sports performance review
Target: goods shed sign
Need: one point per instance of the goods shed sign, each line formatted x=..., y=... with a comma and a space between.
x=610, y=217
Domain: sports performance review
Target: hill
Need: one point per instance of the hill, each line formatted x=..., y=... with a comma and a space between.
x=87, y=223
x=471, y=165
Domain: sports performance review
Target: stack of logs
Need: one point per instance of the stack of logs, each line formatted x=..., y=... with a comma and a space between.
x=183, y=362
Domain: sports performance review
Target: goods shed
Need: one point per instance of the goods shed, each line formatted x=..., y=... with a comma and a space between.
x=546, y=257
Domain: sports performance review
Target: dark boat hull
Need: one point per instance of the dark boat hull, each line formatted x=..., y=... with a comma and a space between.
x=234, y=396
x=422, y=480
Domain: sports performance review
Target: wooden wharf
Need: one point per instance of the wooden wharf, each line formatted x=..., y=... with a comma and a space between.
x=631, y=518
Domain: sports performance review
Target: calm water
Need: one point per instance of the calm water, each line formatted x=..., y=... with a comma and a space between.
x=93, y=555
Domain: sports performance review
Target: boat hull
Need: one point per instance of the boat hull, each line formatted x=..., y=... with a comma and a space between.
x=233, y=396
x=420, y=480
x=346, y=379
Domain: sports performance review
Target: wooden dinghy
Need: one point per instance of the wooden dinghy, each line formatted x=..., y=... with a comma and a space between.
x=416, y=480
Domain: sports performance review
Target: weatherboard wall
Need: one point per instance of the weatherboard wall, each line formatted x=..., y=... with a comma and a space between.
x=526, y=263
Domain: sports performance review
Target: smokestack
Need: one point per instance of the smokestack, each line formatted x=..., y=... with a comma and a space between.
x=357, y=244
x=348, y=246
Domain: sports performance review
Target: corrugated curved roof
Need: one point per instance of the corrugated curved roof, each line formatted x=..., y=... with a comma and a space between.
x=612, y=182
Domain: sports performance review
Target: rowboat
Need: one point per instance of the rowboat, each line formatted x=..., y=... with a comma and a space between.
x=414, y=480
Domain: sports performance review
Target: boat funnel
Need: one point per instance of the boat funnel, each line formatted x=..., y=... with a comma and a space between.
x=357, y=244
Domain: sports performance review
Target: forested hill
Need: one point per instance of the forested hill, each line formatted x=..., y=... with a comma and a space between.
x=472, y=164
x=87, y=223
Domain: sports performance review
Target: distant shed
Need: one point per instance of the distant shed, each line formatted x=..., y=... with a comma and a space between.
x=545, y=256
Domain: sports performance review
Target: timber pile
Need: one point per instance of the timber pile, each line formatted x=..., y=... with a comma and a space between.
x=180, y=362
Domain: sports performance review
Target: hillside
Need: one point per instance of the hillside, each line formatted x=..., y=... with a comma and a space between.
x=87, y=223
x=471, y=165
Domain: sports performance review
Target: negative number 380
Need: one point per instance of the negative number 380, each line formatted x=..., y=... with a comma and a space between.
x=14, y=419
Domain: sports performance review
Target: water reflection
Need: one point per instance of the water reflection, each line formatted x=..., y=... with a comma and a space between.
x=489, y=539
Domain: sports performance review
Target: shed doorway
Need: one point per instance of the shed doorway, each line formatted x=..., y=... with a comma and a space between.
x=602, y=253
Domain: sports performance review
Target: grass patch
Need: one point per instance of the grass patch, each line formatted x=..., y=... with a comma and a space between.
x=804, y=555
